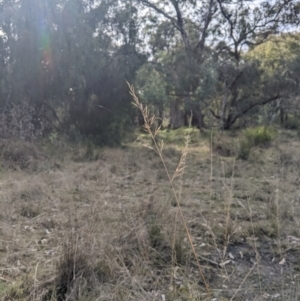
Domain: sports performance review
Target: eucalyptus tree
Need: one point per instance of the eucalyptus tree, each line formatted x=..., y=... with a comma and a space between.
x=119, y=58
x=178, y=31
x=152, y=86
x=279, y=62
x=69, y=60
x=244, y=84
x=221, y=31
x=27, y=31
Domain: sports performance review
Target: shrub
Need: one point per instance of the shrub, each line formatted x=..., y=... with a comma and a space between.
x=257, y=136
x=77, y=277
x=19, y=154
x=73, y=273
x=22, y=122
x=261, y=135
x=224, y=147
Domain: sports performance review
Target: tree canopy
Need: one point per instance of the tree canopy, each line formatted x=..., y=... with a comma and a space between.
x=67, y=62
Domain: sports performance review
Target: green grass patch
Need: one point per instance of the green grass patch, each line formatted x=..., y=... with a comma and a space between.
x=256, y=136
x=179, y=136
x=261, y=135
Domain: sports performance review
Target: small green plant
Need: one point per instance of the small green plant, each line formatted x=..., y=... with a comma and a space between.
x=53, y=137
x=261, y=135
x=256, y=136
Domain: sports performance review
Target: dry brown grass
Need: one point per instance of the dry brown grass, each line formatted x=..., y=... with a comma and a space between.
x=104, y=229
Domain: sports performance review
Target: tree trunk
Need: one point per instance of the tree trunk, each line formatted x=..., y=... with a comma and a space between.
x=200, y=120
x=175, y=114
x=194, y=118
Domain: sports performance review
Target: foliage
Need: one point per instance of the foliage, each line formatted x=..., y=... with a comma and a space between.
x=280, y=51
x=279, y=65
x=60, y=59
x=256, y=136
x=203, y=50
x=21, y=122
x=152, y=86
x=212, y=62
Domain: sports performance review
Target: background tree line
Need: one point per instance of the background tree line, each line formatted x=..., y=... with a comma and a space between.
x=64, y=64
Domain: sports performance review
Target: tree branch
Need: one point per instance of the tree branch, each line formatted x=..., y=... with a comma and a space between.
x=243, y=112
x=207, y=21
x=214, y=114
x=160, y=11
x=178, y=23
x=265, y=20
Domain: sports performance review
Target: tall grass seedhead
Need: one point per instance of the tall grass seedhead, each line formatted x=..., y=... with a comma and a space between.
x=152, y=130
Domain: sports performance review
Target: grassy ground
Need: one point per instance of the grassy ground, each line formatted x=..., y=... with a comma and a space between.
x=81, y=223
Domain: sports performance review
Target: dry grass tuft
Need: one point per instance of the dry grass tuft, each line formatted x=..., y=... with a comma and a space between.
x=75, y=273
x=223, y=146
x=19, y=155
x=152, y=130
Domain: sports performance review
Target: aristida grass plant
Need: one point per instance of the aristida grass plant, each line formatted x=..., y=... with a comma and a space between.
x=150, y=127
